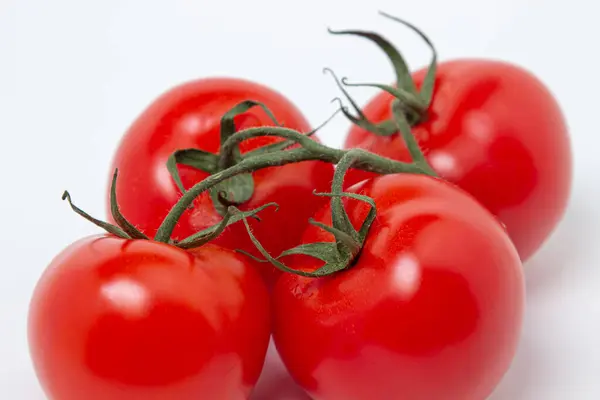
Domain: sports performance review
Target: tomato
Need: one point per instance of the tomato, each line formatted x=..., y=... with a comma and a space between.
x=135, y=319
x=188, y=116
x=497, y=132
x=432, y=308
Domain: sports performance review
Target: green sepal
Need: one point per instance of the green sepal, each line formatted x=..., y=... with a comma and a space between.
x=346, y=244
x=403, y=77
x=124, y=229
x=361, y=234
x=381, y=129
x=324, y=251
x=127, y=226
x=233, y=191
x=228, y=129
x=334, y=259
x=416, y=103
x=110, y=228
x=227, y=121
x=199, y=159
x=427, y=87
x=232, y=216
x=408, y=99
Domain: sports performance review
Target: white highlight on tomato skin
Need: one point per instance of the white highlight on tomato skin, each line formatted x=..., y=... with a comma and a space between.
x=466, y=151
x=406, y=275
x=443, y=162
x=479, y=126
x=127, y=296
x=191, y=124
x=163, y=182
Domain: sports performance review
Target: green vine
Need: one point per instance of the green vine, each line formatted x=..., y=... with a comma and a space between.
x=413, y=103
x=339, y=255
x=230, y=181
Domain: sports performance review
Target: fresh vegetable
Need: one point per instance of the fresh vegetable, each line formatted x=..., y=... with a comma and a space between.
x=126, y=315
x=430, y=308
x=190, y=117
x=403, y=286
x=490, y=127
x=120, y=317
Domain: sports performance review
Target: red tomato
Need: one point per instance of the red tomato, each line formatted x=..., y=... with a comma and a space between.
x=431, y=309
x=188, y=116
x=125, y=320
x=496, y=131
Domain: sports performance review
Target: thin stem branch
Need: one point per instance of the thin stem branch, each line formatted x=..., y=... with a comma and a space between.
x=409, y=139
x=247, y=165
x=306, y=142
x=339, y=217
x=311, y=150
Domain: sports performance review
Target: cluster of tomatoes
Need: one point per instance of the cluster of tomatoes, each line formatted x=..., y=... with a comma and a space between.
x=429, y=302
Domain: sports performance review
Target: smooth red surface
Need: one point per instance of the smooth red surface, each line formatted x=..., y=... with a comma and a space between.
x=432, y=309
x=188, y=116
x=497, y=132
x=138, y=320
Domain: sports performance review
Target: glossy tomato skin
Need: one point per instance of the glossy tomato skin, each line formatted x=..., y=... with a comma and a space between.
x=128, y=320
x=432, y=308
x=497, y=132
x=188, y=116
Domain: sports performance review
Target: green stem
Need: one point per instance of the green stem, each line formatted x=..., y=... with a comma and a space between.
x=227, y=159
x=232, y=216
x=311, y=151
x=339, y=216
x=347, y=246
x=247, y=165
x=306, y=142
x=409, y=139
x=365, y=161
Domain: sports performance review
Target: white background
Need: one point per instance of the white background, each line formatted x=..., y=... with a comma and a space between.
x=74, y=74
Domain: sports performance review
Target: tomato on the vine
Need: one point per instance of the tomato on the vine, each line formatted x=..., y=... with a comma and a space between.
x=497, y=132
x=188, y=116
x=431, y=308
x=134, y=319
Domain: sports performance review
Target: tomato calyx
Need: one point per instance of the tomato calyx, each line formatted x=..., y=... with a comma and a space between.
x=339, y=255
x=413, y=103
x=239, y=188
x=126, y=230
x=235, y=190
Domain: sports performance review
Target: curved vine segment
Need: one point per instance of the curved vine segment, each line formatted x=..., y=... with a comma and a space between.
x=413, y=102
x=298, y=147
x=126, y=230
x=309, y=150
x=237, y=189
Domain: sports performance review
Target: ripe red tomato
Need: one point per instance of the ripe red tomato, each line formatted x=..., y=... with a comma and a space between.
x=431, y=309
x=120, y=319
x=188, y=116
x=496, y=131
